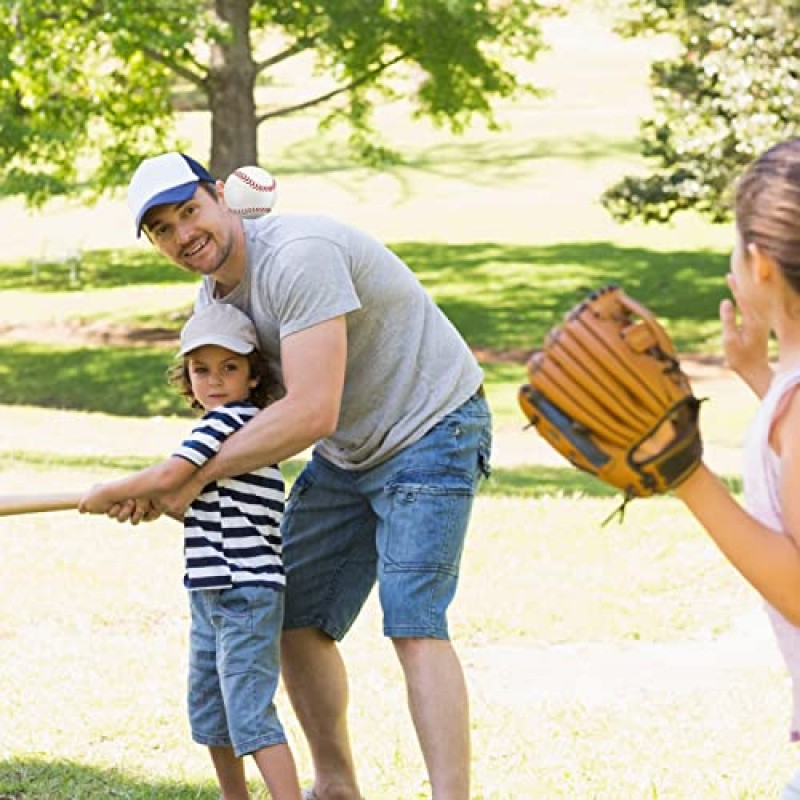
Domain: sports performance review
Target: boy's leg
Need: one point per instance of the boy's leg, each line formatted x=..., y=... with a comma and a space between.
x=278, y=770
x=230, y=773
x=315, y=677
x=248, y=660
x=205, y=703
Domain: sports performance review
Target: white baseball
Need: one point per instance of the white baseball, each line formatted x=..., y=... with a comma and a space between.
x=250, y=192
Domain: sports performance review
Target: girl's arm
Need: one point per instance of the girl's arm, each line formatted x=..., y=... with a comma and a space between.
x=149, y=484
x=768, y=560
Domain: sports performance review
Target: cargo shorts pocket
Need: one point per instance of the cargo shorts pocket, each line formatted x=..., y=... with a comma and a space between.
x=428, y=519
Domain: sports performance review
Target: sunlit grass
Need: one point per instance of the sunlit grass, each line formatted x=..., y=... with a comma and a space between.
x=597, y=658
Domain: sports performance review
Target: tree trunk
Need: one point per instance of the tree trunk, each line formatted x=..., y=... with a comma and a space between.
x=231, y=91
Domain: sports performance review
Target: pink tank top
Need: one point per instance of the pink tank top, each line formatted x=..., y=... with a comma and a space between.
x=761, y=473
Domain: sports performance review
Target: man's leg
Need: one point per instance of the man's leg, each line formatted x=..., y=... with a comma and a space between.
x=329, y=550
x=316, y=680
x=437, y=699
x=424, y=505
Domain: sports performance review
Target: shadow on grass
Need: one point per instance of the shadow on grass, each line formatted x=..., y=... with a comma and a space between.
x=501, y=297
x=10, y=459
x=511, y=295
x=529, y=481
x=113, y=380
x=538, y=481
x=99, y=269
x=494, y=158
x=60, y=779
x=498, y=295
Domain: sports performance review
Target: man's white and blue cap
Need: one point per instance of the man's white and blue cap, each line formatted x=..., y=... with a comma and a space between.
x=162, y=180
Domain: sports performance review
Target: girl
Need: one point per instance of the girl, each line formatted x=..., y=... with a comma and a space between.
x=234, y=571
x=763, y=541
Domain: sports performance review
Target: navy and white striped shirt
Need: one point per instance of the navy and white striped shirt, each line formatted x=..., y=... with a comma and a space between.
x=232, y=530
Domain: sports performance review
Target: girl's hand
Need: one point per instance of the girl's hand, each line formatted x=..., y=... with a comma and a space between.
x=745, y=343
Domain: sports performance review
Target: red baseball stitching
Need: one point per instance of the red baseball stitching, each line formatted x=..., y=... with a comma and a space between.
x=244, y=211
x=243, y=176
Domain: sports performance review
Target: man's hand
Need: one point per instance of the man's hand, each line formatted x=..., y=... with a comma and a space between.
x=745, y=343
x=174, y=504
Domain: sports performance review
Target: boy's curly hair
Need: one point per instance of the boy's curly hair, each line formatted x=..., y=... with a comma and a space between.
x=266, y=391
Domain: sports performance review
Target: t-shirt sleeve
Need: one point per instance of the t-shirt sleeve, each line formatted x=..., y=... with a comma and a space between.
x=207, y=436
x=311, y=283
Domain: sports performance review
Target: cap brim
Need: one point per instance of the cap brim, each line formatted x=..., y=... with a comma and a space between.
x=231, y=343
x=175, y=194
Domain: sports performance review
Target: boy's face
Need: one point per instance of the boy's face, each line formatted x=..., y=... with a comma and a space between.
x=218, y=375
x=198, y=234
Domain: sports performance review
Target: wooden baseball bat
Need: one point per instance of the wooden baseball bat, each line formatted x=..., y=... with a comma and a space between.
x=11, y=504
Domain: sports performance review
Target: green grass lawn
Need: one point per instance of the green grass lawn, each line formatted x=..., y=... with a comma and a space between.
x=617, y=662
x=600, y=660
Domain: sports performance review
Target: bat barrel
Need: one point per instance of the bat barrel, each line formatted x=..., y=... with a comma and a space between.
x=11, y=504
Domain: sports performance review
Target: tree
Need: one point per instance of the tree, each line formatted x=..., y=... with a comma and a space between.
x=730, y=92
x=87, y=86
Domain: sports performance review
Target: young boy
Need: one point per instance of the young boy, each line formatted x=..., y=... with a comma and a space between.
x=234, y=570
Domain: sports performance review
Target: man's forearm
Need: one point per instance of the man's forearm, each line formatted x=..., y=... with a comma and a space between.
x=277, y=433
x=146, y=485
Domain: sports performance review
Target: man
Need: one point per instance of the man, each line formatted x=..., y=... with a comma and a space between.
x=385, y=389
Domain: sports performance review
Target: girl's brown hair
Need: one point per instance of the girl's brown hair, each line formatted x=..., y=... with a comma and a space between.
x=768, y=207
x=266, y=391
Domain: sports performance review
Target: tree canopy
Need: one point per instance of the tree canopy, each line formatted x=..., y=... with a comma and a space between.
x=731, y=90
x=87, y=87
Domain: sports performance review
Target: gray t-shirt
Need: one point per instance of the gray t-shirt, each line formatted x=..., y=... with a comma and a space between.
x=407, y=365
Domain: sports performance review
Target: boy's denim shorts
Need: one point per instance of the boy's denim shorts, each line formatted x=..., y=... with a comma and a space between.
x=234, y=664
x=402, y=522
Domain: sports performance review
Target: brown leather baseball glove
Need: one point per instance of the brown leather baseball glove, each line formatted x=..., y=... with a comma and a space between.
x=607, y=392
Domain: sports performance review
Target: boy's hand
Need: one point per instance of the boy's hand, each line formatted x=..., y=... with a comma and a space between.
x=98, y=501
x=134, y=511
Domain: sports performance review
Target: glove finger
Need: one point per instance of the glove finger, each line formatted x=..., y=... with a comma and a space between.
x=660, y=339
x=576, y=444
x=656, y=355
x=640, y=375
x=551, y=382
x=594, y=368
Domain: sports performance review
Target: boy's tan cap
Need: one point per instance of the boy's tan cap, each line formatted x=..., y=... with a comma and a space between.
x=221, y=324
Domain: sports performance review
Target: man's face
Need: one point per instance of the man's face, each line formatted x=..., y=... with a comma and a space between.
x=197, y=234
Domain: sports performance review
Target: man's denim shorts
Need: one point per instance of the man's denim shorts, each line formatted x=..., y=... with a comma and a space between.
x=402, y=522
x=234, y=662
